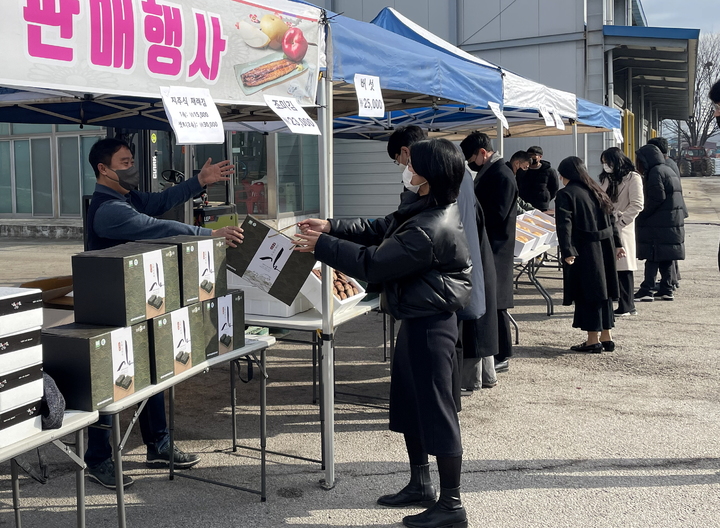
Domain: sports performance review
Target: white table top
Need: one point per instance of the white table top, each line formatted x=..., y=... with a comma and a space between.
x=310, y=320
x=253, y=344
x=529, y=255
x=73, y=421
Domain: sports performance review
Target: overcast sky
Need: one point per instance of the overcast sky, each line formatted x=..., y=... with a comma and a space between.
x=697, y=14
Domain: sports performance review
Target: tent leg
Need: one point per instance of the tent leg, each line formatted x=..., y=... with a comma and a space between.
x=500, y=143
x=575, y=139
x=327, y=348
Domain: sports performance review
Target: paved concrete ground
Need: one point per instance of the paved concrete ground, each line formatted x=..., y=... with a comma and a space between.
x=621, y=439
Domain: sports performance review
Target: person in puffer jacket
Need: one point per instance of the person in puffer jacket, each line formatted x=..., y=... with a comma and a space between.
x=660, y=227
x=419, y=259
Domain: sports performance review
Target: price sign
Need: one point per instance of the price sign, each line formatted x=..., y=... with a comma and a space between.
x=370, y=99
x=558, y=120
x=498, y=113
x=193, y=115
x=294, y=116
x=547, y=116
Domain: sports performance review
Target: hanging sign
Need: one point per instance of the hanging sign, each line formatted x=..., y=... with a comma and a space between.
x=193, y=115
x=297, y=119
x=559, y=123
x=370, y=99
x=618, y=135
x=498, y=113
x=547, y=116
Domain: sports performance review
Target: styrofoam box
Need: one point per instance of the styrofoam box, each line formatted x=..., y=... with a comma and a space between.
x=20, y=423
x=540, y=222
x=260, y=303
x=548, y=218
x=312, y=289
x=542, y=237
x=20, y=309
x=523, y=247
x=20, y=387
x=20, y=350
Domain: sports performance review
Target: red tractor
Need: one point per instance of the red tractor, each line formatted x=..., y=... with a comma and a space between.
x=694, y=161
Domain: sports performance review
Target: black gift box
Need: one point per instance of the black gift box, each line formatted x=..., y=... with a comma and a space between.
x=177, y=342
x=231, y=321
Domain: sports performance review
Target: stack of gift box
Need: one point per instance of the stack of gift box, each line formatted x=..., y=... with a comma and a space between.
x=144, y=312
x=21, y=364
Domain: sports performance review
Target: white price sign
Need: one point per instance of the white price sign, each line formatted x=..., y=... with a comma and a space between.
x=498, y=113
x=370, y=99
x=294, y=116
x=547, y=116
x=617, y=135
x=193, y=115
x=559, y=123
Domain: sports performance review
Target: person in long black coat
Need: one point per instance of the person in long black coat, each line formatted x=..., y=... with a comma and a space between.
x=420, y=258
x=496, y=191
x=660, y=227
x=589, y=245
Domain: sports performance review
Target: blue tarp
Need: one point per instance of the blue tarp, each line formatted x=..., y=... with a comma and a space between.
x=597, y=115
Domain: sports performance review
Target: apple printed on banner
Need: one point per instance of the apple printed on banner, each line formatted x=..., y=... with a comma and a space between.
x=294, y=44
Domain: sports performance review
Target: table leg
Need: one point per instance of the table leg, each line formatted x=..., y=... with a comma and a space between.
x=314, y=365
x=263, y=428
x=80, y=479
x=322, y=402
x=117, y=454
x=15, y=491
x=531, y=271
x=233, y=404
x=171, y=428
x=517, y=328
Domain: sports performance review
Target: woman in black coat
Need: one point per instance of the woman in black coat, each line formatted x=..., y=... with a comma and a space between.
x=589, y=245
x=420, y=258
x=660, y=227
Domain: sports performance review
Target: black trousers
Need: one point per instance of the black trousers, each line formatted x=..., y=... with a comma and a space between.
x=504, y=337
x=626, y=281
x=651, y=270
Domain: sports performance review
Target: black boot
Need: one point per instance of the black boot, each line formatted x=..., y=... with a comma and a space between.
x=419, y=490
x=448, y=512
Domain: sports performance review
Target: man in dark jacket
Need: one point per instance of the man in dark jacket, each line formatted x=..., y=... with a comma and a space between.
x=496, y=190
x=539, y=184
x=660, y=227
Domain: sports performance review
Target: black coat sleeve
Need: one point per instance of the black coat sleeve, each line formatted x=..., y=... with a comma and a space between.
x=563, y=224
x=360, y=230
x=553, y=183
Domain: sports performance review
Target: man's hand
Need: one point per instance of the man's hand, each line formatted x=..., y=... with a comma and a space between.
x=314, y=224
x=211, y=173
x=232, y=235
x=570, y=260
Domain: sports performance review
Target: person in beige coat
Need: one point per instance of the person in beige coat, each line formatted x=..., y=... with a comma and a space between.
x=624, y=187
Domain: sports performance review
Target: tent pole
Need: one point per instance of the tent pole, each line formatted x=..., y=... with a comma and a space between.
x=500, y=146
x=325, y=123
x=575, y=138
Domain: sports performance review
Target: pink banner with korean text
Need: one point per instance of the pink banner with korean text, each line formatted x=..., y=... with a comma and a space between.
x=238, y=50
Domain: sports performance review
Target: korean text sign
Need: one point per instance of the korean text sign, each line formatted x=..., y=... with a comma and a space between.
x=193, y=115
x=237, y=49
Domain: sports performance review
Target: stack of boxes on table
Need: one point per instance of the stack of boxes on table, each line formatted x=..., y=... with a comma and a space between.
x=144, y=312
x=21, y=364
x=532, y=230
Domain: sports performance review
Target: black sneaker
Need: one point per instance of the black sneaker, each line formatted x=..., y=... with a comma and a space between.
x=644, y=297
x=161, y=458
x=618, y=313
x=665, y=296
x=104, y=474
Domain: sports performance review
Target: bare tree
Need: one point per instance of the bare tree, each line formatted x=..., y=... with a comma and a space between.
x=702, y=124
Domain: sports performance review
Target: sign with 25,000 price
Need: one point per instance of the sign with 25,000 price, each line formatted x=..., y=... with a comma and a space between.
x=294, y=116
x=370, y=99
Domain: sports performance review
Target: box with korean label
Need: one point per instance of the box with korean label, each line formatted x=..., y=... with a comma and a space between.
x=94, y=366
x=20, y=350
x=203, y=266
x=20, y=386
x=176, y=342
x=125, y=285
x=20, y=309
x=20, y=423
x=210, y=328
x=231, y=321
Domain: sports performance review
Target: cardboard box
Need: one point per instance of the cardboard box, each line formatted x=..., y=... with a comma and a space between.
x=94, y=366
x=55, y=291
x=231, y=321
x=258, y=302
x=20, y=350
x=20, y=310
x=125, y=285
x=176, y=342
x=20, y=423
x=203, y=266
x=21, y=386
x=312, y=289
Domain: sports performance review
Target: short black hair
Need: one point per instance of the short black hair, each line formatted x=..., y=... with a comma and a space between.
x=535, y=150
x=404, y=136
x=441, y=164
x=659, y=142
x=714, y=94
x=474, y=142
x=102, y=152
x=520, y=155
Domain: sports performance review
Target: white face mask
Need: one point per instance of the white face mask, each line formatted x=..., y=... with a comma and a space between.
x=607, y=168
x=407, y=179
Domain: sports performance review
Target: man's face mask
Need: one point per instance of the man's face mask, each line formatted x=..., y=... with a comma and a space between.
x=534, y=161
x=128, y=178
